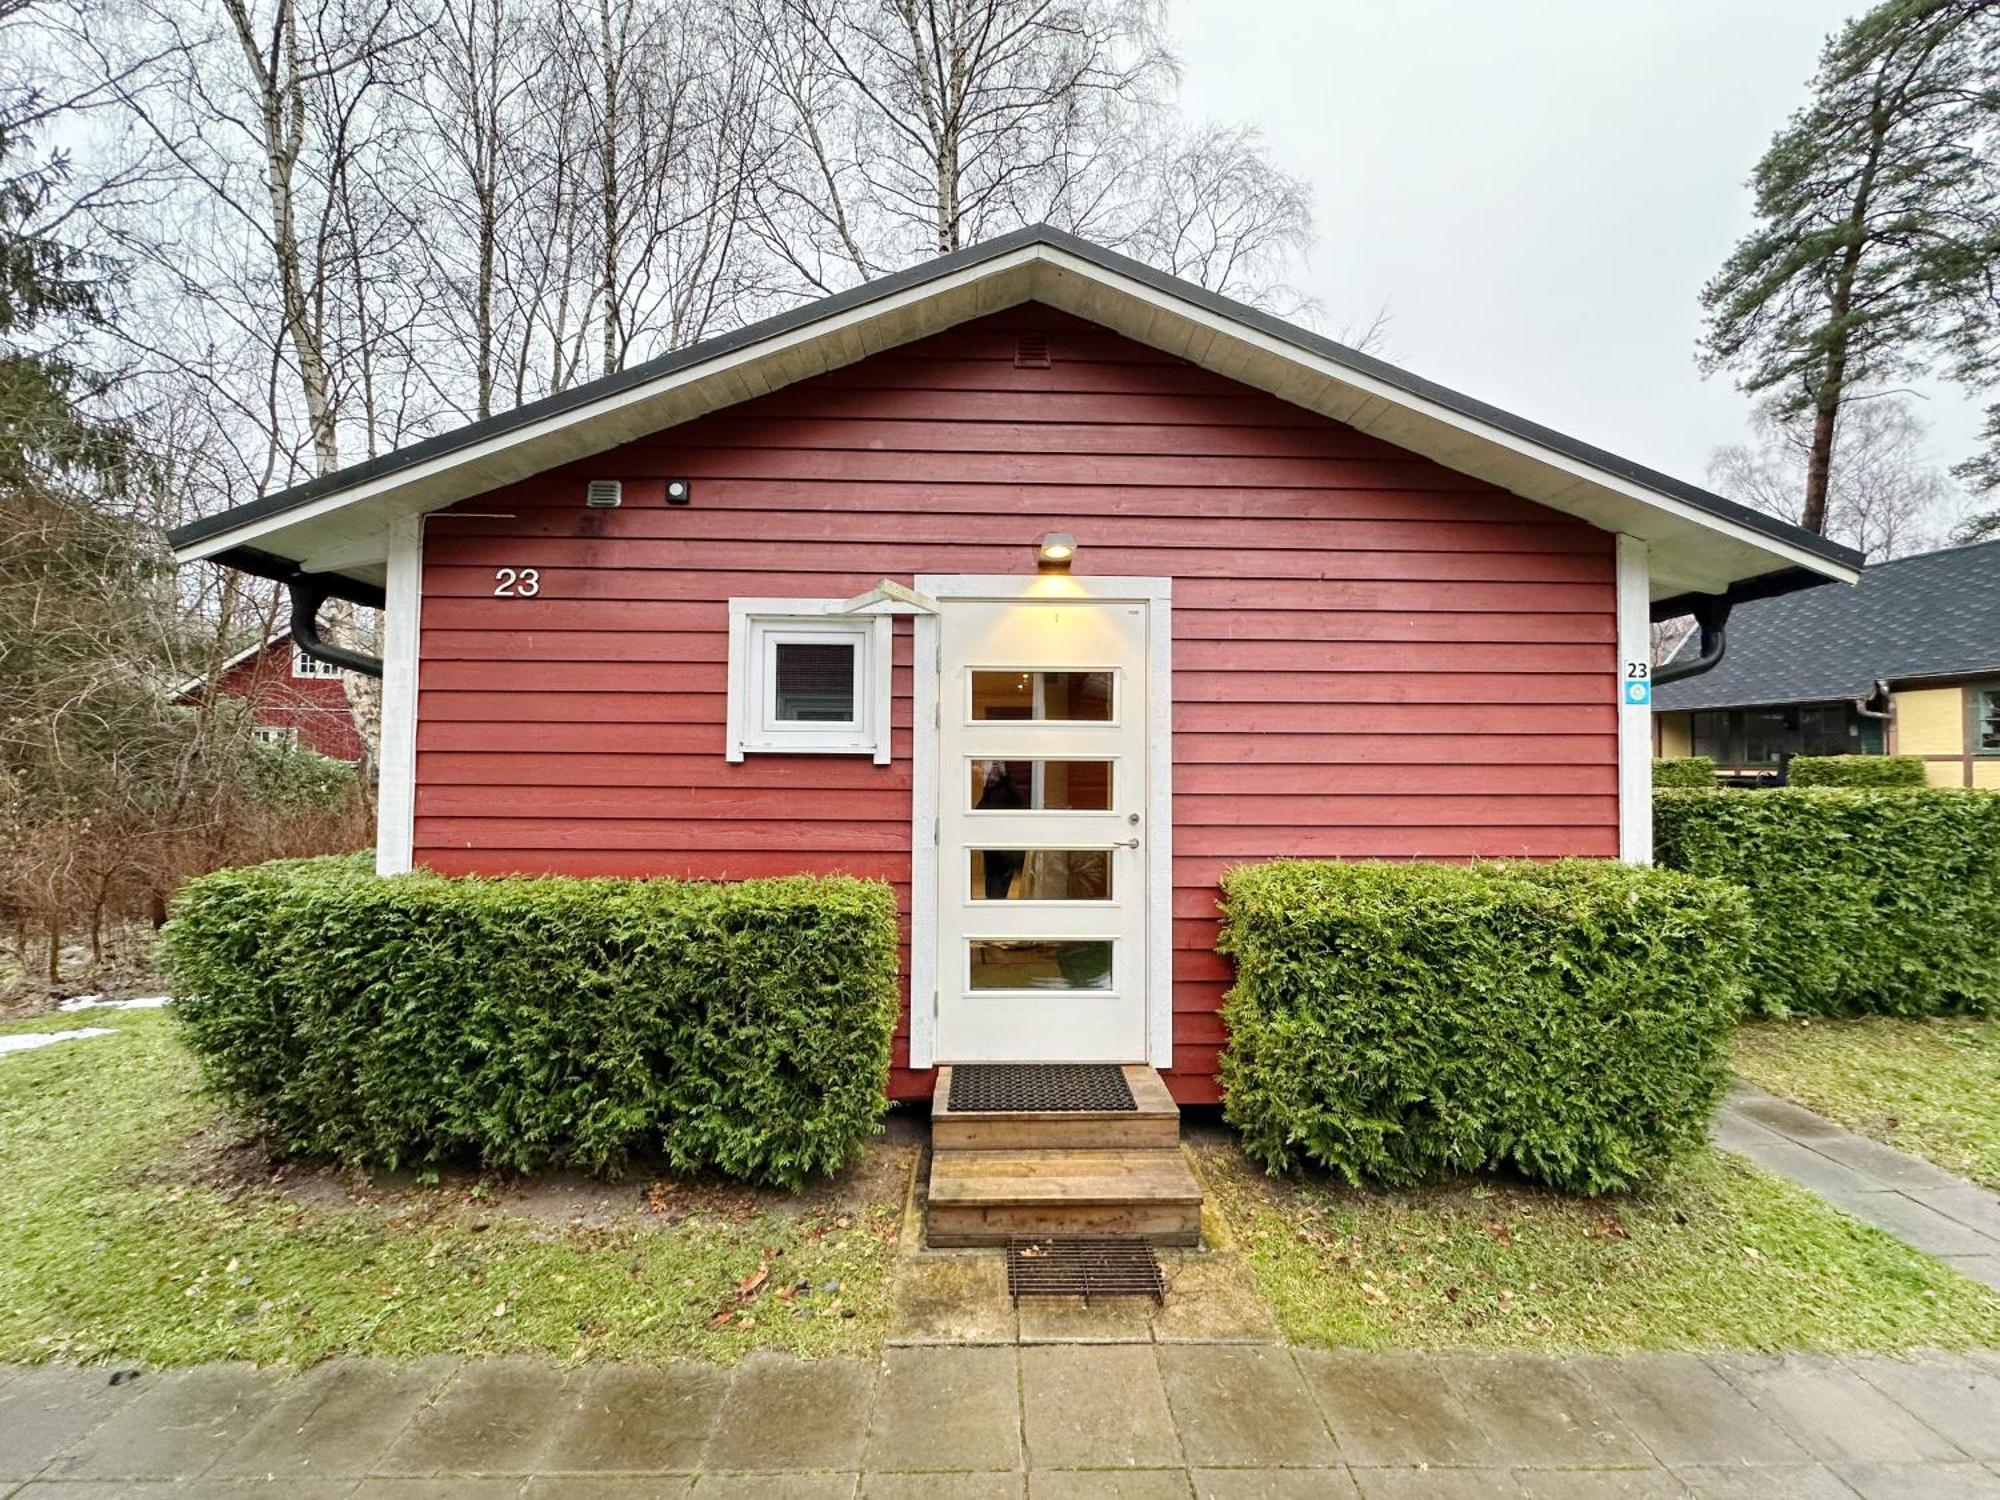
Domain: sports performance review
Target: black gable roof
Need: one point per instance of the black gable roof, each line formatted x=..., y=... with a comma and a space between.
x=1933, y=615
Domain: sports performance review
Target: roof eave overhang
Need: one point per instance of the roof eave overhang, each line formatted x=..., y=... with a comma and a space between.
x=341, y=525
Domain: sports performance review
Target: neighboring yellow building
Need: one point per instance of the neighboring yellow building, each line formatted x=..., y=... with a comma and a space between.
x=1906, y=662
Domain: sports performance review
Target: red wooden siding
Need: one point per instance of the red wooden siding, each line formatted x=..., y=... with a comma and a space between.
x=1373, y=656
x=314, y=706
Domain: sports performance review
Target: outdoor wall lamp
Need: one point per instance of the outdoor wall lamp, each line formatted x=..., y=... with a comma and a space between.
x=1057, y=548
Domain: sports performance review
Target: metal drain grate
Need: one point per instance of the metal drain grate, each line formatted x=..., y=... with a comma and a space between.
x=1022, y=1088
x=1082, y=1267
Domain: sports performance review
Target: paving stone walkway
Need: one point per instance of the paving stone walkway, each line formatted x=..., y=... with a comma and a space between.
x=1945, y=1216
x=1048, y=1422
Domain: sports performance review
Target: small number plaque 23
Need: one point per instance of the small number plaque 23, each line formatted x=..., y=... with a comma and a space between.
x=517, y=583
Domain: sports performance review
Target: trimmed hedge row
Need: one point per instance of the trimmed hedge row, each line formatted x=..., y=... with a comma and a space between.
x=1862, y=901
x=1689, y=770
x=1389, y=1021
x=524, y=1023
x=1856, y=770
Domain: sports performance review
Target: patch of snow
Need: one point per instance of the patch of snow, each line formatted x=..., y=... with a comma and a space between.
x=27, y=1041
x=98, y=1002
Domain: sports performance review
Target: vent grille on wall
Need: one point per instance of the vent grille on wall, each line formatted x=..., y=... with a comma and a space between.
x=1031, y=351
x=603, y=493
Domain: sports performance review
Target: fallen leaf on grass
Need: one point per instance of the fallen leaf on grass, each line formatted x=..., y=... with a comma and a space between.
x=1501, y=1231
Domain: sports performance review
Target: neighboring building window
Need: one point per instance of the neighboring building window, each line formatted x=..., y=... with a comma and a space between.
x=805, y=679
x=286, y=735
x=1710, y=736
x=307, y=666
x=1986, y=721
x=1760, y=738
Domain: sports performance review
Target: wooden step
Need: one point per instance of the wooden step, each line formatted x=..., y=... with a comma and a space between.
x=985, y=1197
x=1156, y=1123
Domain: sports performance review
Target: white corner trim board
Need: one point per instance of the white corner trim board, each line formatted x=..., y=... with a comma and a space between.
x=402, y=618
x=1635, y=704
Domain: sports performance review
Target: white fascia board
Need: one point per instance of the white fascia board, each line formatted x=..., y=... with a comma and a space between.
x=1452, y=438
x=1689, y=543
x=518, y=453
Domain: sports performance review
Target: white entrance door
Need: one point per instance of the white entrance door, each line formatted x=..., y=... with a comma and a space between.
x=1042, y=806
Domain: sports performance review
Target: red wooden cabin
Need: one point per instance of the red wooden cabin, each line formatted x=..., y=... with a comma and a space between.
x=294, y=699
x=791, y=600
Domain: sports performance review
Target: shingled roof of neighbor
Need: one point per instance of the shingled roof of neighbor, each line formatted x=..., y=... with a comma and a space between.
x=1933, y=615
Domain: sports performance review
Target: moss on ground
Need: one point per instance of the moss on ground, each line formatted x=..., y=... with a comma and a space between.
x=1720, y=1256
x=116, y=1243
x=1931, y=1087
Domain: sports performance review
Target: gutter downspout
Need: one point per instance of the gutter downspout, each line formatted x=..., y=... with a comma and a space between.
x=308, y=594
x=1712, y=615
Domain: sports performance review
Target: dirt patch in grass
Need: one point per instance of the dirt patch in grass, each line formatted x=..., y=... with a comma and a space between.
x=1721, y=1256
x=221, y=1157
x=125, y=968
x=1927, y=1086
x=134, y=1225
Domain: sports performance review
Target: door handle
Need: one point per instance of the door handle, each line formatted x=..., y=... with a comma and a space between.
x=1125, y=843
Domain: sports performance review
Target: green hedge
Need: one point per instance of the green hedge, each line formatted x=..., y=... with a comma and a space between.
x=1689, y=770
x=1389, y=1021
x=530, y=1023
x=1856, y=770
x=1862, y=901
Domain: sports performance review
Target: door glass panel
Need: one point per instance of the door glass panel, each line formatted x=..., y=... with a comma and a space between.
x=814, y=682
x=1041, y=785
x=1041, y=875
x=1041, y=964
x=1072, y=696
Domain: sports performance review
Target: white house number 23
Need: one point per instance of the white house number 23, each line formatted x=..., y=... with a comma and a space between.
x=517, y=583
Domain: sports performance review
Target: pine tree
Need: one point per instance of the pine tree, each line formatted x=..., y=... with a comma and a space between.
x=1878, y=209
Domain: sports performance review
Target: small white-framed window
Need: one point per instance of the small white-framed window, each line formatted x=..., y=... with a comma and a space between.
x=807, y=679
x=285, y=735
x=309, y=666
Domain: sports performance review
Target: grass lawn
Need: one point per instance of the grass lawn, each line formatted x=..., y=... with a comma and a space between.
x=133, y=1226
x=1723, y=1256
x=1929, y=1087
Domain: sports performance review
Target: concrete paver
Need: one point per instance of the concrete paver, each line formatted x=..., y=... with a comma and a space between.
x=1096, y=1407
x=941, y=1409
x=648, y=1421
x=1921, y=1204
x=1225, y=1421
x=178, y=1428
x=45, y=1409
x=1274, y=1484
x=1438, y=1484
x=334, y=1422
x=1239, y=1405
x=495, y=1418
x=1537, y=1412
x=1765, y=1482
x=785, y=1413
x=1101, y=1484
x=1959, y=1399
x=1832, y=1412
x=1390, y=1410
x=777, y=1486
x=1685, y=1413
x=1920, y=1481
x=943, y=1486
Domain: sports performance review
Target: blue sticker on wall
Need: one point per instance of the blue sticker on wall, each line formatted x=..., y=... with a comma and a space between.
x=1639, y=693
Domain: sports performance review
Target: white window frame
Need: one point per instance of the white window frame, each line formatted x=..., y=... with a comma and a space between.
x=756, y=628
x=282, y=736
x=307, y=666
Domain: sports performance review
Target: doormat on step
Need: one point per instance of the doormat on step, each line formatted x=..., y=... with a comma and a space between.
x=1086, y=1267
x=1023, y=1088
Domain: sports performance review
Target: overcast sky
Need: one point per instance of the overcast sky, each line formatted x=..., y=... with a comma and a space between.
x=1536, y=188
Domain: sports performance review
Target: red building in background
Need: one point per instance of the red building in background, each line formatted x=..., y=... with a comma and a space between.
x=294, y=699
